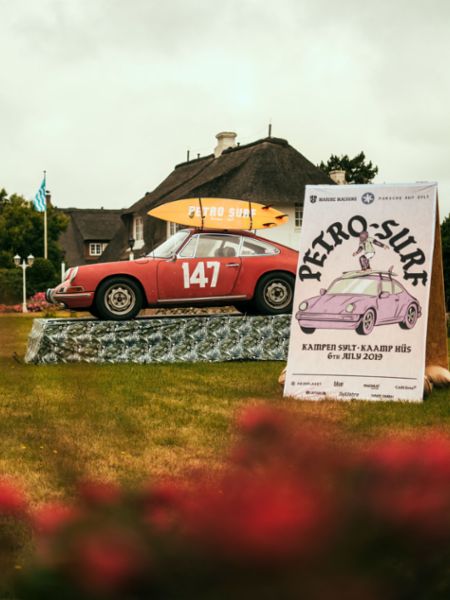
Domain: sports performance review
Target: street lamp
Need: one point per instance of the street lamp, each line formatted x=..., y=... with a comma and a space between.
x=24, y=266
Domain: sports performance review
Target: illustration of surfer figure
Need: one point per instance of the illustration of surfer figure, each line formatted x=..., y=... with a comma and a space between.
x=367, y=249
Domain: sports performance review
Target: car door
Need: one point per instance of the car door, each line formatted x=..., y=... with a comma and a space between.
x=386, y=304
x=206, y=267
x=401, y=301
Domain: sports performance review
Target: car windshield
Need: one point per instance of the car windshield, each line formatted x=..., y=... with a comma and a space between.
x=170, y=246
x=360, y=285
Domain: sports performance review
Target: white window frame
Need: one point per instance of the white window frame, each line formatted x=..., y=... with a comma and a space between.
x=138, y=229
x=172, y=228
x=298, y=215
x=96, y=248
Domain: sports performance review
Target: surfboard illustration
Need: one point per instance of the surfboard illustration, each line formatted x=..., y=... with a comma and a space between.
x=223, y=213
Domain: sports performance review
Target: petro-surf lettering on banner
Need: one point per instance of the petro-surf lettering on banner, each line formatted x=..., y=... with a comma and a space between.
x=358, y=327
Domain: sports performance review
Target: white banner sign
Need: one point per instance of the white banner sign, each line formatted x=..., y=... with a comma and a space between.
x=360, y=312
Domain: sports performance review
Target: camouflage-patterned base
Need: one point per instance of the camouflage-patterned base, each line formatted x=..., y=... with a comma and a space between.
x=212, y=338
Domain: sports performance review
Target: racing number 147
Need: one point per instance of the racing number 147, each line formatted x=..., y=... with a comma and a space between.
x=198, y=276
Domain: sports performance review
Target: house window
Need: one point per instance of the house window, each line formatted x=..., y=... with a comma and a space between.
x=172, y=228
x=96, y=248
x=298, y=215
x=138, y=229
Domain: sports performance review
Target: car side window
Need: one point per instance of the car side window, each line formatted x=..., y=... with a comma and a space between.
x=252, y=247
x=386, y=286
x=189, y=250
x=217, y=245
x=397, y=288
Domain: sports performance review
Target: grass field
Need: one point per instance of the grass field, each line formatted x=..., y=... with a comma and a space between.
x=129, y=422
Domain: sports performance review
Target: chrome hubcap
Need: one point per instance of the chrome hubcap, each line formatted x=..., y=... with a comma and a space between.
x=411, y=316
x=368, y=320
x=120, y=299
x=278, y=294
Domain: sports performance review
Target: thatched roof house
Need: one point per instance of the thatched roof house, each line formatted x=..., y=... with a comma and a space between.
x=269, y=171
x=88, y=233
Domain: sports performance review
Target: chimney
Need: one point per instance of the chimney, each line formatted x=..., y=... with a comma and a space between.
x=338, y=176
x=225, y=139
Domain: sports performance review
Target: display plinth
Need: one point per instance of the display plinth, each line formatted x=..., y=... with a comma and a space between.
x=210, y=338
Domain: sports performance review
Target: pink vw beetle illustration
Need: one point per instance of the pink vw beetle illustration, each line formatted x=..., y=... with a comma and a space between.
x=360, y=300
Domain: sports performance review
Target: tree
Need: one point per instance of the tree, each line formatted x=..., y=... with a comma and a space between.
x=357, y=170
x=22, y=229
x=445, y=234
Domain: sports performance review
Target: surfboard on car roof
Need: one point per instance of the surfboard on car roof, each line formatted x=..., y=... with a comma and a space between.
x=225, y=213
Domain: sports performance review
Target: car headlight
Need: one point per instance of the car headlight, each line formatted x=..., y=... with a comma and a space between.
x=350, y=308
x=303, y=305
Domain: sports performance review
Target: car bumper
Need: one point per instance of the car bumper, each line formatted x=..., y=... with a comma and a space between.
x=71, y=300
x=328, y=321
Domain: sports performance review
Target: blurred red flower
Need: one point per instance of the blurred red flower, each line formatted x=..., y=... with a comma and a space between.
x=49, y=519
x=12, y=500
x=99, y=493
x=106, y=560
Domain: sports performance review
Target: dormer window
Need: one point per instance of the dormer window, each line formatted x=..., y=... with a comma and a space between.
x=138, y=232
x=138, y=228
x=96, y=248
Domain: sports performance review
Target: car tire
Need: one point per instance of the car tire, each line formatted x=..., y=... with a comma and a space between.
x=94, y=312
x=307, y=330
x=367, y=322
x=118, y=299
x=246, y=307
x=274, y=293
x=412, y=314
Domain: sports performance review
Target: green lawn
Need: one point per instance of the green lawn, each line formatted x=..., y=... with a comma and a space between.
x=129, y=422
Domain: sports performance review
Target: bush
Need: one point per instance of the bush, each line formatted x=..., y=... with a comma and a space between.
x=40, y=276
x=294, y=515
x=36, y=303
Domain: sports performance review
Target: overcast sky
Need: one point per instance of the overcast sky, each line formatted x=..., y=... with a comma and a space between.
x=108, y=95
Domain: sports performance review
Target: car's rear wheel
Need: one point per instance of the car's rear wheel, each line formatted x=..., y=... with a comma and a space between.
x=307, y=329
x=367, y=322
x=245, y=307
x=411, y=317
x=118, y=299
x=274, y=293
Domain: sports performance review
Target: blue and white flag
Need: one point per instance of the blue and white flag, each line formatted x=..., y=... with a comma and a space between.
x=39, y=201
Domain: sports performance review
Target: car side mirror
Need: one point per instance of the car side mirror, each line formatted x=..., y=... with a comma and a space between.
x=384, y=295
x=323, y=291
x=172, y=257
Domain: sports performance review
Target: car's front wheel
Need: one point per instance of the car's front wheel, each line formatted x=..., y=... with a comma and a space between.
x=367, y=322
x=410, y=318
x=118, y=299
x=274, y=293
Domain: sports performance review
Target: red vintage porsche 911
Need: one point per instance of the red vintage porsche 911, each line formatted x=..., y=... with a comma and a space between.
x=193, y=267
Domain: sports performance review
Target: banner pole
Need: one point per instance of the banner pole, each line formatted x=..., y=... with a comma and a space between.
x=45, y=217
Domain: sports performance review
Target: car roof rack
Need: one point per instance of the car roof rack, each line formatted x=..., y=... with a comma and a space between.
x=350, y=274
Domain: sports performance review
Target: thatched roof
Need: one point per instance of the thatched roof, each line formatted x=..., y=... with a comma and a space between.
x=269, y=171
x=87, y=225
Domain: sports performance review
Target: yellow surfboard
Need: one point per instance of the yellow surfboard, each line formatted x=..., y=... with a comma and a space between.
x=221, y=213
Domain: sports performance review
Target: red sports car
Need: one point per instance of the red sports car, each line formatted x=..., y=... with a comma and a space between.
x=193, y=267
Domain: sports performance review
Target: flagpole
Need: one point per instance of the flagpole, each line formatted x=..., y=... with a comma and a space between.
x=45, y=217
